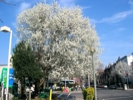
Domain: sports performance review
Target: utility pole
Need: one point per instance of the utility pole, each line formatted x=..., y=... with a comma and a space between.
x=88, y=80
x=92, y=50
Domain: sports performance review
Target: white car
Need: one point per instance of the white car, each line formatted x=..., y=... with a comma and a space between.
x=103, y=86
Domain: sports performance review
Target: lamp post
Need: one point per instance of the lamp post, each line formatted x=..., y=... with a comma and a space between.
x=7, y=29
x=88, y=80
x=92, y=50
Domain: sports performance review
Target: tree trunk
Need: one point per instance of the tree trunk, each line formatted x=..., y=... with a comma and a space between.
x=22, y=87
x=44, y=84
x=36, y=88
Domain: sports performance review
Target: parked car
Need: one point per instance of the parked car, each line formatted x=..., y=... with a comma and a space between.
x=98, y=86
x=103, y=86
x=112, y=87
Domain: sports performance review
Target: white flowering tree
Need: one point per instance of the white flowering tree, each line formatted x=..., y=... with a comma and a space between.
x=61, y=37
x=122, y=71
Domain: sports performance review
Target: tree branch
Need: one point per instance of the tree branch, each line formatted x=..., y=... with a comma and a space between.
x=1, y=21
x=7, y=3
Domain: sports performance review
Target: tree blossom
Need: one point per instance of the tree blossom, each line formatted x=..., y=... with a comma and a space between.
x=62, y=36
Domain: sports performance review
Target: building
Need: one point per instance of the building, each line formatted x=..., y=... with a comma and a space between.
x=127, y=59
x=6, y=65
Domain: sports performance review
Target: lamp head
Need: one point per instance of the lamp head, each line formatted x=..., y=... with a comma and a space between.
x=5, y=29
x=92, y=49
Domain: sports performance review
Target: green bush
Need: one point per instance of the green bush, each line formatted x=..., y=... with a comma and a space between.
x=43, y=95
x=88, y=93
x=15, y=98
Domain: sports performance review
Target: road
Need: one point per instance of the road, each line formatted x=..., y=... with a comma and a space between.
x=105, y=94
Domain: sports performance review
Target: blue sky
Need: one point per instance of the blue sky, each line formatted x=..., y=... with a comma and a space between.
x=113, y=20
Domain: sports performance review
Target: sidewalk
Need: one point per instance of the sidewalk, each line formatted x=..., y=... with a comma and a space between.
x=128, y=89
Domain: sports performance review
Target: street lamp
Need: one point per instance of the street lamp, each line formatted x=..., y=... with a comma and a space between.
x=7, y=29
x=92, y=51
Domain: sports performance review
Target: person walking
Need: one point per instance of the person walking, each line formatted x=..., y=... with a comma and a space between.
x=33, y=91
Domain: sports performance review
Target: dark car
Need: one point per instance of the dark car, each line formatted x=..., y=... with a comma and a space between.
x=98, y=86
x=112, y=87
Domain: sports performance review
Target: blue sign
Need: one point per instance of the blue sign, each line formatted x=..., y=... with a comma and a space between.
x=11, y=77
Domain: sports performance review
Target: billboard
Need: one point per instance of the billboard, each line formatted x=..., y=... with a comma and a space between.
x=11, y=77
x=4, y=77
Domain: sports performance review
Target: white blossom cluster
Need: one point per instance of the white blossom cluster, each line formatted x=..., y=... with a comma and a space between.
x=64, y=36
x=122, y=69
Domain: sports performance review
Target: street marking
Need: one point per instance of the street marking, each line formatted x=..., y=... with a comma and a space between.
x=60, y=95
x=68, y=94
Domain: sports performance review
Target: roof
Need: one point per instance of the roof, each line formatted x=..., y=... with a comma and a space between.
x=3, y=65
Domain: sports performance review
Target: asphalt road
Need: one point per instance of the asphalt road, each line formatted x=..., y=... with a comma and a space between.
x=107, y=94
x=103, y=94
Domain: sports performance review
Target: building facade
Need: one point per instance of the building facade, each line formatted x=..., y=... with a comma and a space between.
x=127, y=59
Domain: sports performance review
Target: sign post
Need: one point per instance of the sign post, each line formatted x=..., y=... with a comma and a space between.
x=127, y=78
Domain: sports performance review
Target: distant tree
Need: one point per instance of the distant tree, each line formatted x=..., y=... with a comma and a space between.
x=122, y=68
x=25, y=64
x=120, y=71
x=100, y=67
x=100, y=71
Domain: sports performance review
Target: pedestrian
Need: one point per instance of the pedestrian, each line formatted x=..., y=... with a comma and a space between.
x=76, y=87
x=63, y=89
x=33, y=91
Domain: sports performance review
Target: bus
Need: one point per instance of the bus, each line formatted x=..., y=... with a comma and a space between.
x=67, y=82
